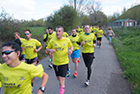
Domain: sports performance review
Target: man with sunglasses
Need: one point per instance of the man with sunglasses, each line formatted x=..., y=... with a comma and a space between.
x=16, y=75
x=30, y=47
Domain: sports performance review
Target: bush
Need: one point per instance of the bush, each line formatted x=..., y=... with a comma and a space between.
x=8, y=26
x=66, y=17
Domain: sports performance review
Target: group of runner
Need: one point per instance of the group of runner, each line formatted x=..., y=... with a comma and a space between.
x=58, y=44
x=69, y=45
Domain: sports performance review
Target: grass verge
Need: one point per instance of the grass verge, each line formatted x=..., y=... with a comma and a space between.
x=127, y=47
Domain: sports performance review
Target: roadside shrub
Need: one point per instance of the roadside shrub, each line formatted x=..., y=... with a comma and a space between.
x=8, y=26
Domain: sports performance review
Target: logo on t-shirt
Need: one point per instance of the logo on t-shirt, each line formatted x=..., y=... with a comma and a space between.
x=55, y=44
x=11, y=85
x=59, y=48
x=5, y=78
x=22, y=78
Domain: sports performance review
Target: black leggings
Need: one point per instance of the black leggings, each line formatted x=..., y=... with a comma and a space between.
x=88, y=59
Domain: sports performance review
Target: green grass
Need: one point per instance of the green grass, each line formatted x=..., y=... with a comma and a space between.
x=37, y=31
x=127, y=47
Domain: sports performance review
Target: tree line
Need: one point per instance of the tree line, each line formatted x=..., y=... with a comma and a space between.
x=75, y=13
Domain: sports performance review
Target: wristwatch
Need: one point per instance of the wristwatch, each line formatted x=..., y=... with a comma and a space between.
x=42, y=89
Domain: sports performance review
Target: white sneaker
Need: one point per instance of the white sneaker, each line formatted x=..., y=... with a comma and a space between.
x=50, y=65
x=32, y=88
x=87, y=82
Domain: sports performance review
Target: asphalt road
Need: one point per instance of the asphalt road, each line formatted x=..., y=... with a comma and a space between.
x=106, y=76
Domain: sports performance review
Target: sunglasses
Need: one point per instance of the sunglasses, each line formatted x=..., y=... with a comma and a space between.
x=6, y=52
x=27, y=34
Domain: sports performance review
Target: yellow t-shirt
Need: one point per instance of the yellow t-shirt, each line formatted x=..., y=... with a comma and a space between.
x=93, y=30
x=88, y=46
x=96, y=29
x=29, y=47
x=65, y=34
x=50, y=36
x=44, y=36
x=99, y=33
x=18, y=80
x=74, y=41
x=80, y=31
x=22, y=40
x=76, y=34
x=60, y=57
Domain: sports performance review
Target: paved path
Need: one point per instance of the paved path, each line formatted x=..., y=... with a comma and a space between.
x=106, y=75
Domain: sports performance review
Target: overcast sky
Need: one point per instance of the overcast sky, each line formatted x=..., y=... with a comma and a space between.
x=36, y=9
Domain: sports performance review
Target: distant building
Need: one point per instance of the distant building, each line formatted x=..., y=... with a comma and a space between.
x=124, y=22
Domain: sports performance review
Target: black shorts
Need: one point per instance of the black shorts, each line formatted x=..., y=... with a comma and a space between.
x=61, y=70
x=99, y=39
x=88, y=58
x=45, y=47
x=96, y=35
x=22, y=57
x=30, y=61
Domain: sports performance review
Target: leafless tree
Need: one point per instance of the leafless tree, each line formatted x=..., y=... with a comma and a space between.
x=95, y=6
x=86, y=6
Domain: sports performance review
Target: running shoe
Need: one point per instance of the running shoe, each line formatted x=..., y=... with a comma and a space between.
x=37, y=61
x=68, y=73
x=87, y=82
x=50, y=60
x=32, y=88
x=75, y=74
x=50, y=65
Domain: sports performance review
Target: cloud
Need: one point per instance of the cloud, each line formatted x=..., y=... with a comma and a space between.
x=132, y=3
x=110, y=10
x=18, y=8
x=53, y=6
x=117, y=8
x=109, y=1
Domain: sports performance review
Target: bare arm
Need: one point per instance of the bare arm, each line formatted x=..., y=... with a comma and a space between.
x=51, y=50
x=37, y=50
x=44, y=82
x=70, y=50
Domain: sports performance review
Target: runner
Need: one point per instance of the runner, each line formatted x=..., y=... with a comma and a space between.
x=16, y=75
x=99, y=36
x=93, y=29
x=45, y=39
x=59, y=47
x=76, y=52
x=87, y=41
x=20, y=41
x=65, y=34
x=51, y=34
x=96, y=30
x=30, y=47
x=80, y=30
